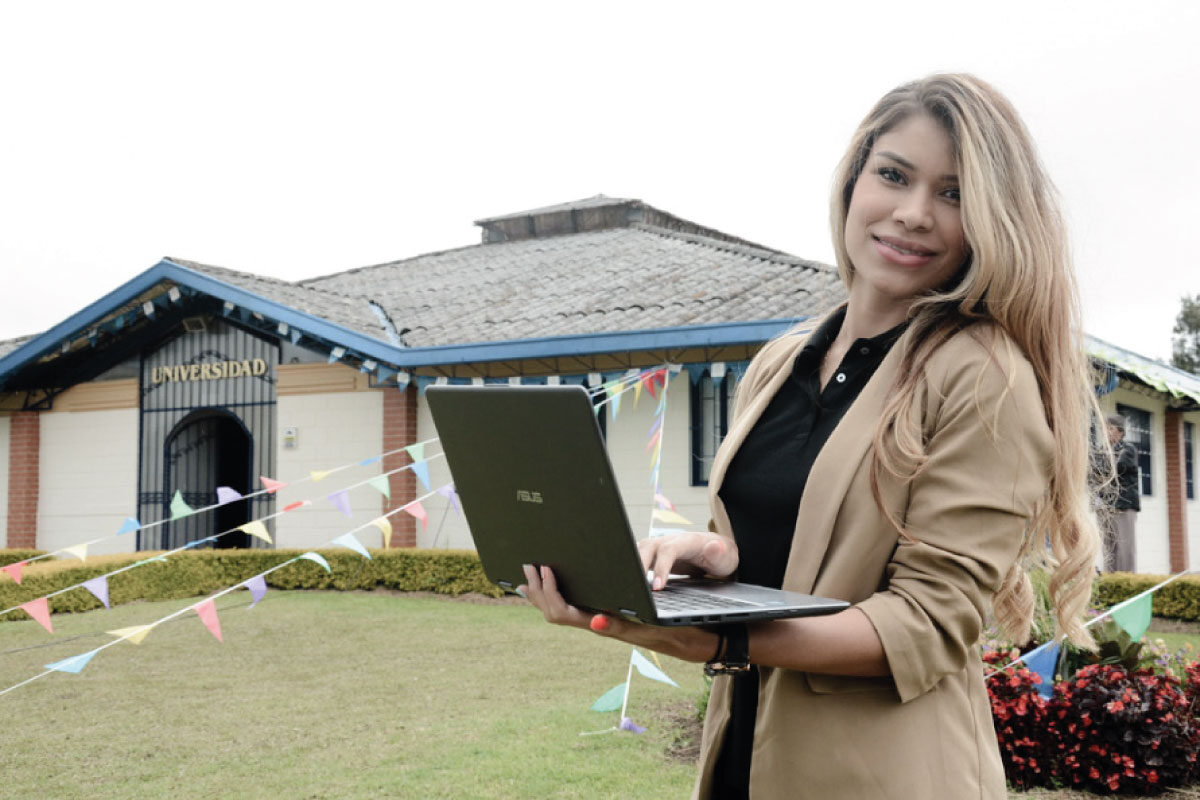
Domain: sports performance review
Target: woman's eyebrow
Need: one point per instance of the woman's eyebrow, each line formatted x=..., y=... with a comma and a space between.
x=904, y=162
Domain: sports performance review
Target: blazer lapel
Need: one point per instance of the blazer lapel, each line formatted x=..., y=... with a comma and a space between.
x=832, y=472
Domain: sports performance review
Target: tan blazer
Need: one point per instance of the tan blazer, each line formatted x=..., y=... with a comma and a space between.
x=926, y=732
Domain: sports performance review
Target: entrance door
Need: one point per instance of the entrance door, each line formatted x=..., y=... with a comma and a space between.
x=207, y=449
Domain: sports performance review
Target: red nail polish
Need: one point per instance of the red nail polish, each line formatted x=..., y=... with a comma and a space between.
x=599, y=623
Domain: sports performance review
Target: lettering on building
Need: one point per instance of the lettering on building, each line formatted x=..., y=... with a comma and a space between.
x=220, y=370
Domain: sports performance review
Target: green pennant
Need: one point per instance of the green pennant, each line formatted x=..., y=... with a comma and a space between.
x=610, y=700
x=381, y=483
x=178, y=507
x=1134, y=616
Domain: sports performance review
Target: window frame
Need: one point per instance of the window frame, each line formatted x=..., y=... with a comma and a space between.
x=1139, y=431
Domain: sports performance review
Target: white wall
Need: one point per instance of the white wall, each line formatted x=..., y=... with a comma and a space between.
x=334, y=429
x=5, y=428
x=627, y=437
x=87, y=478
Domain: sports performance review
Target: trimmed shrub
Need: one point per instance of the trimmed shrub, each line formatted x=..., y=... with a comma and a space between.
x=1177, y=600
x=13, y=555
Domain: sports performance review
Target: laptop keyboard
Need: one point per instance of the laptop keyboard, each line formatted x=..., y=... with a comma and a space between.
x=682, y=598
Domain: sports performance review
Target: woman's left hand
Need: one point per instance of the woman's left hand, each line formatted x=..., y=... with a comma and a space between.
x=687, y=643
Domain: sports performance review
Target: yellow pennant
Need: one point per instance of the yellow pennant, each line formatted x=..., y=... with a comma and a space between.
x=318, y=474
x=256, y=528
x=637, y=392
x=79, y=551
x=132, y=635
x=385, y=527
x=667, y=515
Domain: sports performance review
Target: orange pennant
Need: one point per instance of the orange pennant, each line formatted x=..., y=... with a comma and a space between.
x=208, y=615
x=14, y=570
x=418, y=511
x=40, y=610
x=272, y=486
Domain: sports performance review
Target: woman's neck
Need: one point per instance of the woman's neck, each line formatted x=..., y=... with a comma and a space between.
x=867, y=317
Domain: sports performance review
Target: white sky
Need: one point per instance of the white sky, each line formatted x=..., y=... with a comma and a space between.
x=296, y=139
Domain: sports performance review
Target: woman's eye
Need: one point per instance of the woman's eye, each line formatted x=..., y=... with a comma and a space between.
x=891, y=174
x=953, y=195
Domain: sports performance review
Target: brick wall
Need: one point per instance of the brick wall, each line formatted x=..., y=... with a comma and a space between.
x=24, y=452
x=1176, y=501
x=400, y=430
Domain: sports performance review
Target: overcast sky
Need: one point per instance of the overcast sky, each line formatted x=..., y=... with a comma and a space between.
x=297, y=139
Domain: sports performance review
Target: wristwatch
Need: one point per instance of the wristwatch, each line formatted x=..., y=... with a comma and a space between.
x=733, y=651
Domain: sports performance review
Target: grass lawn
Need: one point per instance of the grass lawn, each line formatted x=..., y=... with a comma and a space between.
x=339, y=695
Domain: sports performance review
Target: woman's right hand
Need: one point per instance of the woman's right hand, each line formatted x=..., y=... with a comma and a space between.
x=691, y=552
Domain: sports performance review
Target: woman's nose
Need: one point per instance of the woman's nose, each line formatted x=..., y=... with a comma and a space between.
x=915, y=211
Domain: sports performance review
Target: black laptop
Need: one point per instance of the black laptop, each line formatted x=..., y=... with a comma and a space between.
x=530, y=466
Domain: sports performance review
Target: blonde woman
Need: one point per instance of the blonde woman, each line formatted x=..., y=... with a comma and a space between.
x=910, y=453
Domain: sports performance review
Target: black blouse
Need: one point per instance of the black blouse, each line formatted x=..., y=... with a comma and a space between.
x=761, y=493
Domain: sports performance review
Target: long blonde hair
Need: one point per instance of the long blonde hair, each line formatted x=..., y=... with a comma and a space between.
x=1017, y=275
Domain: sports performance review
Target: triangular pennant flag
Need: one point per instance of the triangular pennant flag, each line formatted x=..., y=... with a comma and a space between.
x=77, y=550
x=663, y=502
x=610, y=700
x=318, y=474
x=647, y=380
x=667, y=515
x=316, y=558
x=1134, y=615
x=133, y=635
x=129, y=526
x=648, y=670
x=272, y=486
x=658, y=421
x=629, y=725
x=99, y=587
x=256, y=528
x=258, y=588
x=366, y=462
x=1042, y=662
x=295, y=505
x=14, y=570
x=40, y=610
x=382, y=484
x=418, y=511
x=421, y=470
x=637, y=392
x=341, y=501
x=178, y=507
x=612, y=389
x=416, y=451
x=74, y=664
x=207, y=611
x=348, y=540
x=385, y=527
x=448, y=492
x=655, y=438
x=227, y=495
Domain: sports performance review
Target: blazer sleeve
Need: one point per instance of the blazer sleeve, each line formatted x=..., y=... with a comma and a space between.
x=989, y=452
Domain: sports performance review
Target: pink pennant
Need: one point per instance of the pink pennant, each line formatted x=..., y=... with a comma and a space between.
x=294, y=506
x=654, y=440
x=272, y=486
x=208, y=615
x=14, y=570
x=98, y=587
x=341, y=501
x=663, y=502
x=417, y=510
x=40, y=610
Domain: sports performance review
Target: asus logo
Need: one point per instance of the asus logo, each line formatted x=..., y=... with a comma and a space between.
x=529, y=497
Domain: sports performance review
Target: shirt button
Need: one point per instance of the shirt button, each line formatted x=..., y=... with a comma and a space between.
x=841, y=377
x=866, y=351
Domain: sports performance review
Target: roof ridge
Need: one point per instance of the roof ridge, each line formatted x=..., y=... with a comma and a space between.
x=354, y=270
x=765, y=253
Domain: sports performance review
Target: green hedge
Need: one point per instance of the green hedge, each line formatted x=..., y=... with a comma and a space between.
x=1179, y=600
x=201, y=572
x=13, y=556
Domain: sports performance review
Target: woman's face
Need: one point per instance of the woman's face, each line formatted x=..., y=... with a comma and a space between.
x=904, y=230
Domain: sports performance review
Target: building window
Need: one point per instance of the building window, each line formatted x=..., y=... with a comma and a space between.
x=1189, y=481
x=711, y=406
x=1137, y=433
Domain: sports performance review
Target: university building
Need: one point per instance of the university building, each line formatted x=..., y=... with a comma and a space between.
x=191, y=377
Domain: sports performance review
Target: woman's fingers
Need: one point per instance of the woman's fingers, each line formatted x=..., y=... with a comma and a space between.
x=541, y=589
x=687, y=552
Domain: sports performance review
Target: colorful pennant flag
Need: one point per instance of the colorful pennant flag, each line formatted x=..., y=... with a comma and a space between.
x=1134, y=615
x=611, y=700
x=611, y=388
x=341, y=501
x=385, y=527
x=258, y=589
x=178, y=507
x=1043, y=662
x=227, y=495
x=637, y=392
x=448, y=492
x=14, y=570
x=40, y=610
x=318, y=474
x=654, y=439
x=256, y=528
x=416, y=451
x=207, y=611
x=417, y=510
x=349, y=540
x=647, y=380
x=74, y=664
x=648, y=670
x=295, y=505
x=129, y=526
x=421, y=470
x=663, y=502
x=366, y=462
x=317, y=558
x=98, y=587
x=667, y=515
x=272, y=486
x=629, y=725
x=133, y=635
x=382, y=485
x=77, y=550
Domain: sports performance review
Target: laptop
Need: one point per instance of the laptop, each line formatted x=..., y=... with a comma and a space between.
x=531, y=469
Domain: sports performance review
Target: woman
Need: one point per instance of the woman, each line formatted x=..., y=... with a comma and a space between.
x=905, y=454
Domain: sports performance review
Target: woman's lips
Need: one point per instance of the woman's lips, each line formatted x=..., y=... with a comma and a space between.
x=902, y=253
